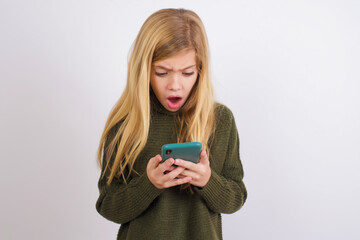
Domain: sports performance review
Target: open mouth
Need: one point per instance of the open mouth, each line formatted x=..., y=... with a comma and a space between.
x=174, y=99
x=174, y=102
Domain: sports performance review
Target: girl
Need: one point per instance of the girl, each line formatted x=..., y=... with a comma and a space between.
x=169, y=98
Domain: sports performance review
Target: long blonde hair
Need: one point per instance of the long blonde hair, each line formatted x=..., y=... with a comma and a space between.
x=164, y=34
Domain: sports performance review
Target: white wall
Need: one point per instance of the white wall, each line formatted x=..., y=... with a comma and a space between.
x=289, y=70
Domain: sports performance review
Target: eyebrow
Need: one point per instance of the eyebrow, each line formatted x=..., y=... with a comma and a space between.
x=170, y=69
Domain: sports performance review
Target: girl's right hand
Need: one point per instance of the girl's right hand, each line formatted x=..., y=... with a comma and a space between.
x=165, y=175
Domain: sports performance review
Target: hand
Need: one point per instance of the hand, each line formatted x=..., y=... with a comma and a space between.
x=200, y=173
x=165, y=175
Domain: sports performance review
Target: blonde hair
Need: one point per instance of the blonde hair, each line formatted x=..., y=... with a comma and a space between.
x=164, y=34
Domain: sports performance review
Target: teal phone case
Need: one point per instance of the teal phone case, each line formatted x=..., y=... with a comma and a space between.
x=189, y=151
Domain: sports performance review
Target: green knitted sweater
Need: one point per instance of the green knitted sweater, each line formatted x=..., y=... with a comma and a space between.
x=146, y=212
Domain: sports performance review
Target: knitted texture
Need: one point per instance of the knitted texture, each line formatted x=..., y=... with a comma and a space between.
x=146, y=212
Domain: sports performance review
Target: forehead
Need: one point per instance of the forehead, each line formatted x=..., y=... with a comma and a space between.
x=179, y=61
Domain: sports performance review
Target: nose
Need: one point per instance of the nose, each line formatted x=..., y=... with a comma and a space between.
x=174, y=82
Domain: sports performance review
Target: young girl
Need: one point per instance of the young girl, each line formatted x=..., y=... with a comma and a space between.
x=169, y=98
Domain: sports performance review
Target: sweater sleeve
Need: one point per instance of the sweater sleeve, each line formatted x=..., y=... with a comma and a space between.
x=121, y=202
x=225, y=192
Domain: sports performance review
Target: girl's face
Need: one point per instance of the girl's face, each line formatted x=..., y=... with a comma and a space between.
x=173, y=78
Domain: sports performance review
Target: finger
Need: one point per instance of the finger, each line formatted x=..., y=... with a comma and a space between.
x=180, y=176
x=172, y=167
x=158, y=158
x=177, y=181
x=167, y=164
x=173, y=174
x=188, y=173
x=184, y=164
x=154, y=162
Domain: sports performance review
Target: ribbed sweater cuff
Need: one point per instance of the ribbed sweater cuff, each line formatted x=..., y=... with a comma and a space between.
x=146, y=190
x=213, y=188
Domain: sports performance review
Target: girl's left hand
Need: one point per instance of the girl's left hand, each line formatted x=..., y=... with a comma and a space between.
x=199, y=172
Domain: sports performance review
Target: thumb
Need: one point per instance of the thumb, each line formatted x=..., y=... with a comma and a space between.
x=203, y=157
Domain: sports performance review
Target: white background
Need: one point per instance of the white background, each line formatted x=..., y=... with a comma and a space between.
x=289, y=70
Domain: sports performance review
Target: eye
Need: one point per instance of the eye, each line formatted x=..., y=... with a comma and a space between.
x=188, y=74
x=160, y=74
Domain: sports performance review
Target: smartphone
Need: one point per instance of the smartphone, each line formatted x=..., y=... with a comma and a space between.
x=189, y=151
